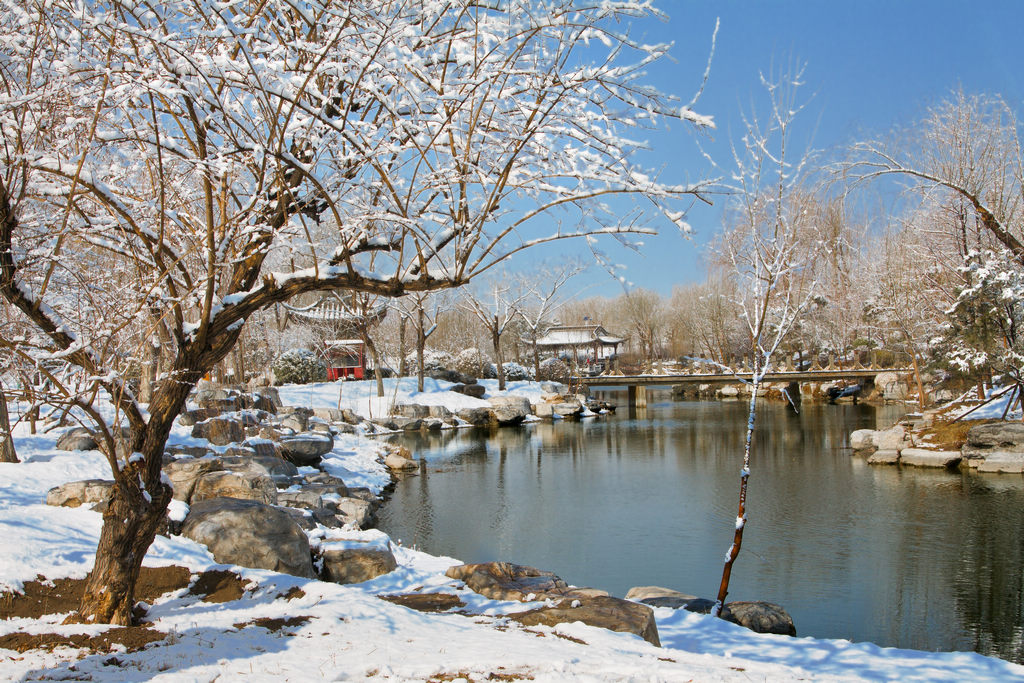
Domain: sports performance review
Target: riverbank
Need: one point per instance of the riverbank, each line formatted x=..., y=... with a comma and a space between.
x=284, y=627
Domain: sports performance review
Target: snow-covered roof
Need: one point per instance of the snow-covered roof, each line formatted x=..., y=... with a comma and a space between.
x=344, y=342
x=577, y=335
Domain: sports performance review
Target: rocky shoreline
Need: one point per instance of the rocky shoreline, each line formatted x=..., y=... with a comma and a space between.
x=253, y=487
x=980, y=445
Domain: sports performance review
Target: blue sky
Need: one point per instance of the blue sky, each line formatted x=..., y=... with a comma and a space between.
x=870, y=66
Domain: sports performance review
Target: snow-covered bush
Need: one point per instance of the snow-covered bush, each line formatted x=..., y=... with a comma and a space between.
x=515, y=372
x=553, y=370
x=299, y=366
x=434, y=362
x=470, y=362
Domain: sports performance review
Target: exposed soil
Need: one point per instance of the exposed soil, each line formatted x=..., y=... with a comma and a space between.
x=61, y=596
x=426, y=602
x=131, y=637
x=218, y=585
x=275, y=625
x=64, y=595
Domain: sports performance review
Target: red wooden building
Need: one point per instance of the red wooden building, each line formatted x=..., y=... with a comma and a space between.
x=346, y=358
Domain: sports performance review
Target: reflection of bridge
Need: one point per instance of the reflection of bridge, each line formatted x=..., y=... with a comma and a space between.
x=637, y=384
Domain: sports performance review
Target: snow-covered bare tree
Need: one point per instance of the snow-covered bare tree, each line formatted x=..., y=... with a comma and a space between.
x=968, y=146
x=422, y=309
x=542, y=287
x=772, y=243
x=495, y=303
x=170, y=162
x=646, y=314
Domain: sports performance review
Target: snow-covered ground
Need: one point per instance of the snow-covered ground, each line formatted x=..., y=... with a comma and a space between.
x=348, y=633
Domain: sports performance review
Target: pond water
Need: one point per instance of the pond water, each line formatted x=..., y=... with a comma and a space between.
x=912, y=558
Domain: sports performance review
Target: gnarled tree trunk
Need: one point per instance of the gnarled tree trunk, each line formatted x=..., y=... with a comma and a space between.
x=7, y=452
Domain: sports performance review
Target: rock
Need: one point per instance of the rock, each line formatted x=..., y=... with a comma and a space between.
x=433, y=424
x=613, y=614
x=543, y=409
x=318, y=425
x=397, y=461
x=355, y=511
x=250, y=534
x=278, y=469
x=78, y=493
x=476, y=416
x=183, y=474
x=441, y=412
x=760, y=617
x=219, y=431
x=240, y=485
x=553, y=388
x=191, y=417
x=507, y=581
x=887, y=457
x=297, y=422
x=407, y=424
x=412, y=410
x=327, y=490
x=307, y=448
x=474, y=390
x=306, y=500
x=354, y=564
x=77, y=439
x=862, y=440
x=179, y=451
x=729, y=391
x=884, y=381
x=699, y=606
x=919, y=457
x=329, y=414
x=892, y=439
x=510, y=410
x=567, y=410
x=656, y=596
x=995, y=447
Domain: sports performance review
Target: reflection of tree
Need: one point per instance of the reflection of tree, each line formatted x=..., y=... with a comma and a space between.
x=988, y=588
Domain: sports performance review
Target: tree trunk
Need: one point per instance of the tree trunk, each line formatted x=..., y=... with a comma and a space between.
x=375, y=355
x=7, y=452
x=536, y=360
x=149, y=370
x=421, y=343
x=402, y=369
x=920, y=384
x=496, y=342
x=741, y=515
x=130, y=524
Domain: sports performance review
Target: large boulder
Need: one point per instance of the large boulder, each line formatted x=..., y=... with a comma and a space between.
x=995, y=447
x=760, y=617
x=656, y=596
x=354, y=562
x=354, y=511
x=250, y=534
x=184, y=472
x=884, y=457
x=568, y=409
x=474, y=390
x=611, y=613
x=862, y=441
x=477, y=416
x=509, y=409
x=241, y=485
x=307, y=448
x=78, y=493
x=507, y=581
x=77, y=439
x=892, y=439
x=220, y=430
x=919, y=457
x=277, y=468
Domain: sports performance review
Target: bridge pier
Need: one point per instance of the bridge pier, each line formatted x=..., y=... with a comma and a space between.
x=636, y=396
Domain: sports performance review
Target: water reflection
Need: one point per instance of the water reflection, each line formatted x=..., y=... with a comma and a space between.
x=903, y=557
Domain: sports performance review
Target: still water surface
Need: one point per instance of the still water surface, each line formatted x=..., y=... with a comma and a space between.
x=909, y=557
